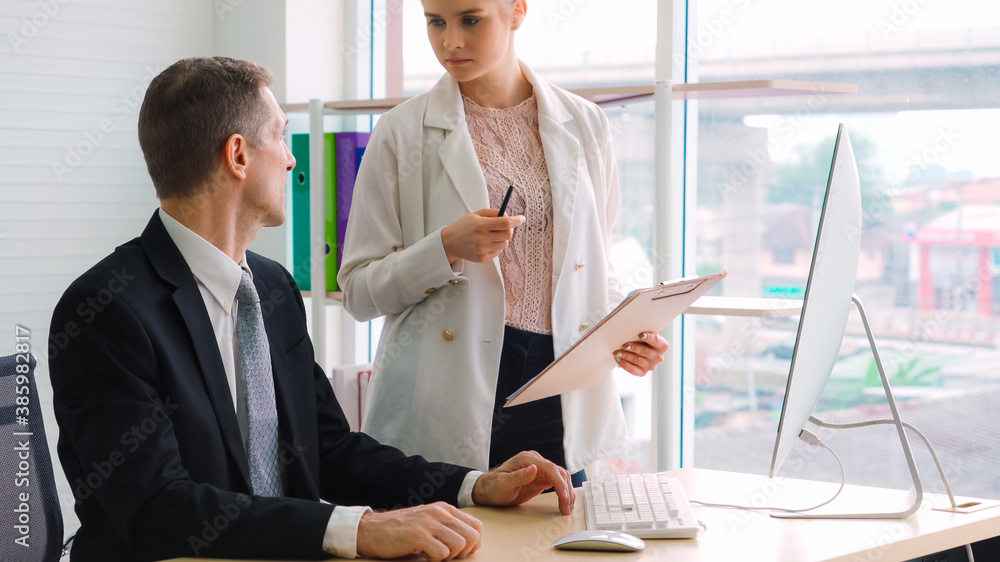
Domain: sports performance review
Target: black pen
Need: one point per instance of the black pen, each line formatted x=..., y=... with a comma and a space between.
x=506, y=199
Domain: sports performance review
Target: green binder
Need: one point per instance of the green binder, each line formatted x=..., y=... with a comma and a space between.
x=301, y=182
x=330, y=170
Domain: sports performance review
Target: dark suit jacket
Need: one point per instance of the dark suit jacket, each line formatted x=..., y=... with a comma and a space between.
x=148, y=434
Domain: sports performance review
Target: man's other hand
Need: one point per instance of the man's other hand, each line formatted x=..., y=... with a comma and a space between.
x=438, y=531
x=522, y=477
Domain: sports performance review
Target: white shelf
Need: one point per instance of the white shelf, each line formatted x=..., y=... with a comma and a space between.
x=759, y=89
x=330, y=295
x=350, y=107
x=740, y=306
x=616, y=95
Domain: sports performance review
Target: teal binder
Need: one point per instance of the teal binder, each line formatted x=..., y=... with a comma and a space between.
x=301, y=184
x=300, y=212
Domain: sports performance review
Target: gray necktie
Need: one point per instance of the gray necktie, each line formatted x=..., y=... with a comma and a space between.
x=262, y=414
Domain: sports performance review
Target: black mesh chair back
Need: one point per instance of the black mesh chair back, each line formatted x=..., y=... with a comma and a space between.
x=31, y=526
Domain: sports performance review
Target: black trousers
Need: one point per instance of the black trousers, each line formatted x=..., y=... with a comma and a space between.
x=533, y=426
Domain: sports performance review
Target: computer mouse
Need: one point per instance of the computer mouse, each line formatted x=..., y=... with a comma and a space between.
x=607, y=541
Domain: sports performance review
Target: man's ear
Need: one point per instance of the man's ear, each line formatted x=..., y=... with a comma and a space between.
x=236, y=157
x=520, y=10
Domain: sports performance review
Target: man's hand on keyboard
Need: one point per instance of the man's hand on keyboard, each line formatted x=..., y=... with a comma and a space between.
x=522, y=477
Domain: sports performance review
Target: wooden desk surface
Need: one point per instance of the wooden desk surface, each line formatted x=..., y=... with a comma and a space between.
x=528, y=531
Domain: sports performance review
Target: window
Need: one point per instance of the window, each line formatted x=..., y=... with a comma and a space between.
x=921, y=123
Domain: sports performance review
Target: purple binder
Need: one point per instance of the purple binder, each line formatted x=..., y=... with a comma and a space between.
x=350, y=148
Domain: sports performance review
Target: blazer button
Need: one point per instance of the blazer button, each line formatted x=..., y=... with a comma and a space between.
x=454, y=281
x=584, y=326
x=431, y=290
x=447, y=335
x=580, y=265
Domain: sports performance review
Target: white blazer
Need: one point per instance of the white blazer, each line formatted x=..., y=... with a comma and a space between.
x=435, y=371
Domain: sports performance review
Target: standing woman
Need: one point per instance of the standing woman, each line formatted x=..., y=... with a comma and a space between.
x=476, y=304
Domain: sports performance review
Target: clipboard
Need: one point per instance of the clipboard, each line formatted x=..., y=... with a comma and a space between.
x=590, y=359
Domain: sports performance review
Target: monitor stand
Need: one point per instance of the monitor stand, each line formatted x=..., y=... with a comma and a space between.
x=918, y=499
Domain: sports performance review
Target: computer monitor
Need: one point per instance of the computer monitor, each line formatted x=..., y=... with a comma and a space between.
x=827, y=300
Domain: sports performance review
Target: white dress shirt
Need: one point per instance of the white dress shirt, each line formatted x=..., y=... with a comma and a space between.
x=218, y=278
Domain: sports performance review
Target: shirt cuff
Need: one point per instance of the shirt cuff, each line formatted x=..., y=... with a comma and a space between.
x=341, y=537
x=465, y=492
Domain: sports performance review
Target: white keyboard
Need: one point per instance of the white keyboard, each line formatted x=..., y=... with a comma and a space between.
x=649, y=506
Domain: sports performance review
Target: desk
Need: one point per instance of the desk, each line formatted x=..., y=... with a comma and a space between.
x=528, y=531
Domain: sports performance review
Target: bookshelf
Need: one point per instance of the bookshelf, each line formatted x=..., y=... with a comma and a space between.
x=603, y=96
x=615, y=95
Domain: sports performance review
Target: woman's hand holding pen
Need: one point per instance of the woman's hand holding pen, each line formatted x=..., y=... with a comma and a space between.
x=478, y=236
x=643, y=355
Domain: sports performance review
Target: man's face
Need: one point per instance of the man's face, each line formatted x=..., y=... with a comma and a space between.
x=269, y=161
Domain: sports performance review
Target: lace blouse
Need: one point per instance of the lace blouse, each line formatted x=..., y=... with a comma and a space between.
x=509, y=148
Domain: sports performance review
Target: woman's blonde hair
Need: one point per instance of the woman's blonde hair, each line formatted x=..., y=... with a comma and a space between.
x=507, y=5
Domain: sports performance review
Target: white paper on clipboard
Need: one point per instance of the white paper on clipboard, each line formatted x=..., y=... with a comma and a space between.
x=590, y=359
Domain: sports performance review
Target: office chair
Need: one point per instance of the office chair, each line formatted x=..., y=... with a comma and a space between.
x=31, y=525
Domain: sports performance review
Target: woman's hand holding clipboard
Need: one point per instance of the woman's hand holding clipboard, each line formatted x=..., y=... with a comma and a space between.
x=590, y=359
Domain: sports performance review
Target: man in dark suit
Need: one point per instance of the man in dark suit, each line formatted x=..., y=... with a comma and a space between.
x=193, y=420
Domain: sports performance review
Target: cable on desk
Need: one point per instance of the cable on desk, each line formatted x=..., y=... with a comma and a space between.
x=810, y=438
x=930, y=448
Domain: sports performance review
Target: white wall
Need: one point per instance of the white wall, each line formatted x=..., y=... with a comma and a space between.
x=315, y=53
x=301, y=42
x=73, y=182
x=255, y=30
